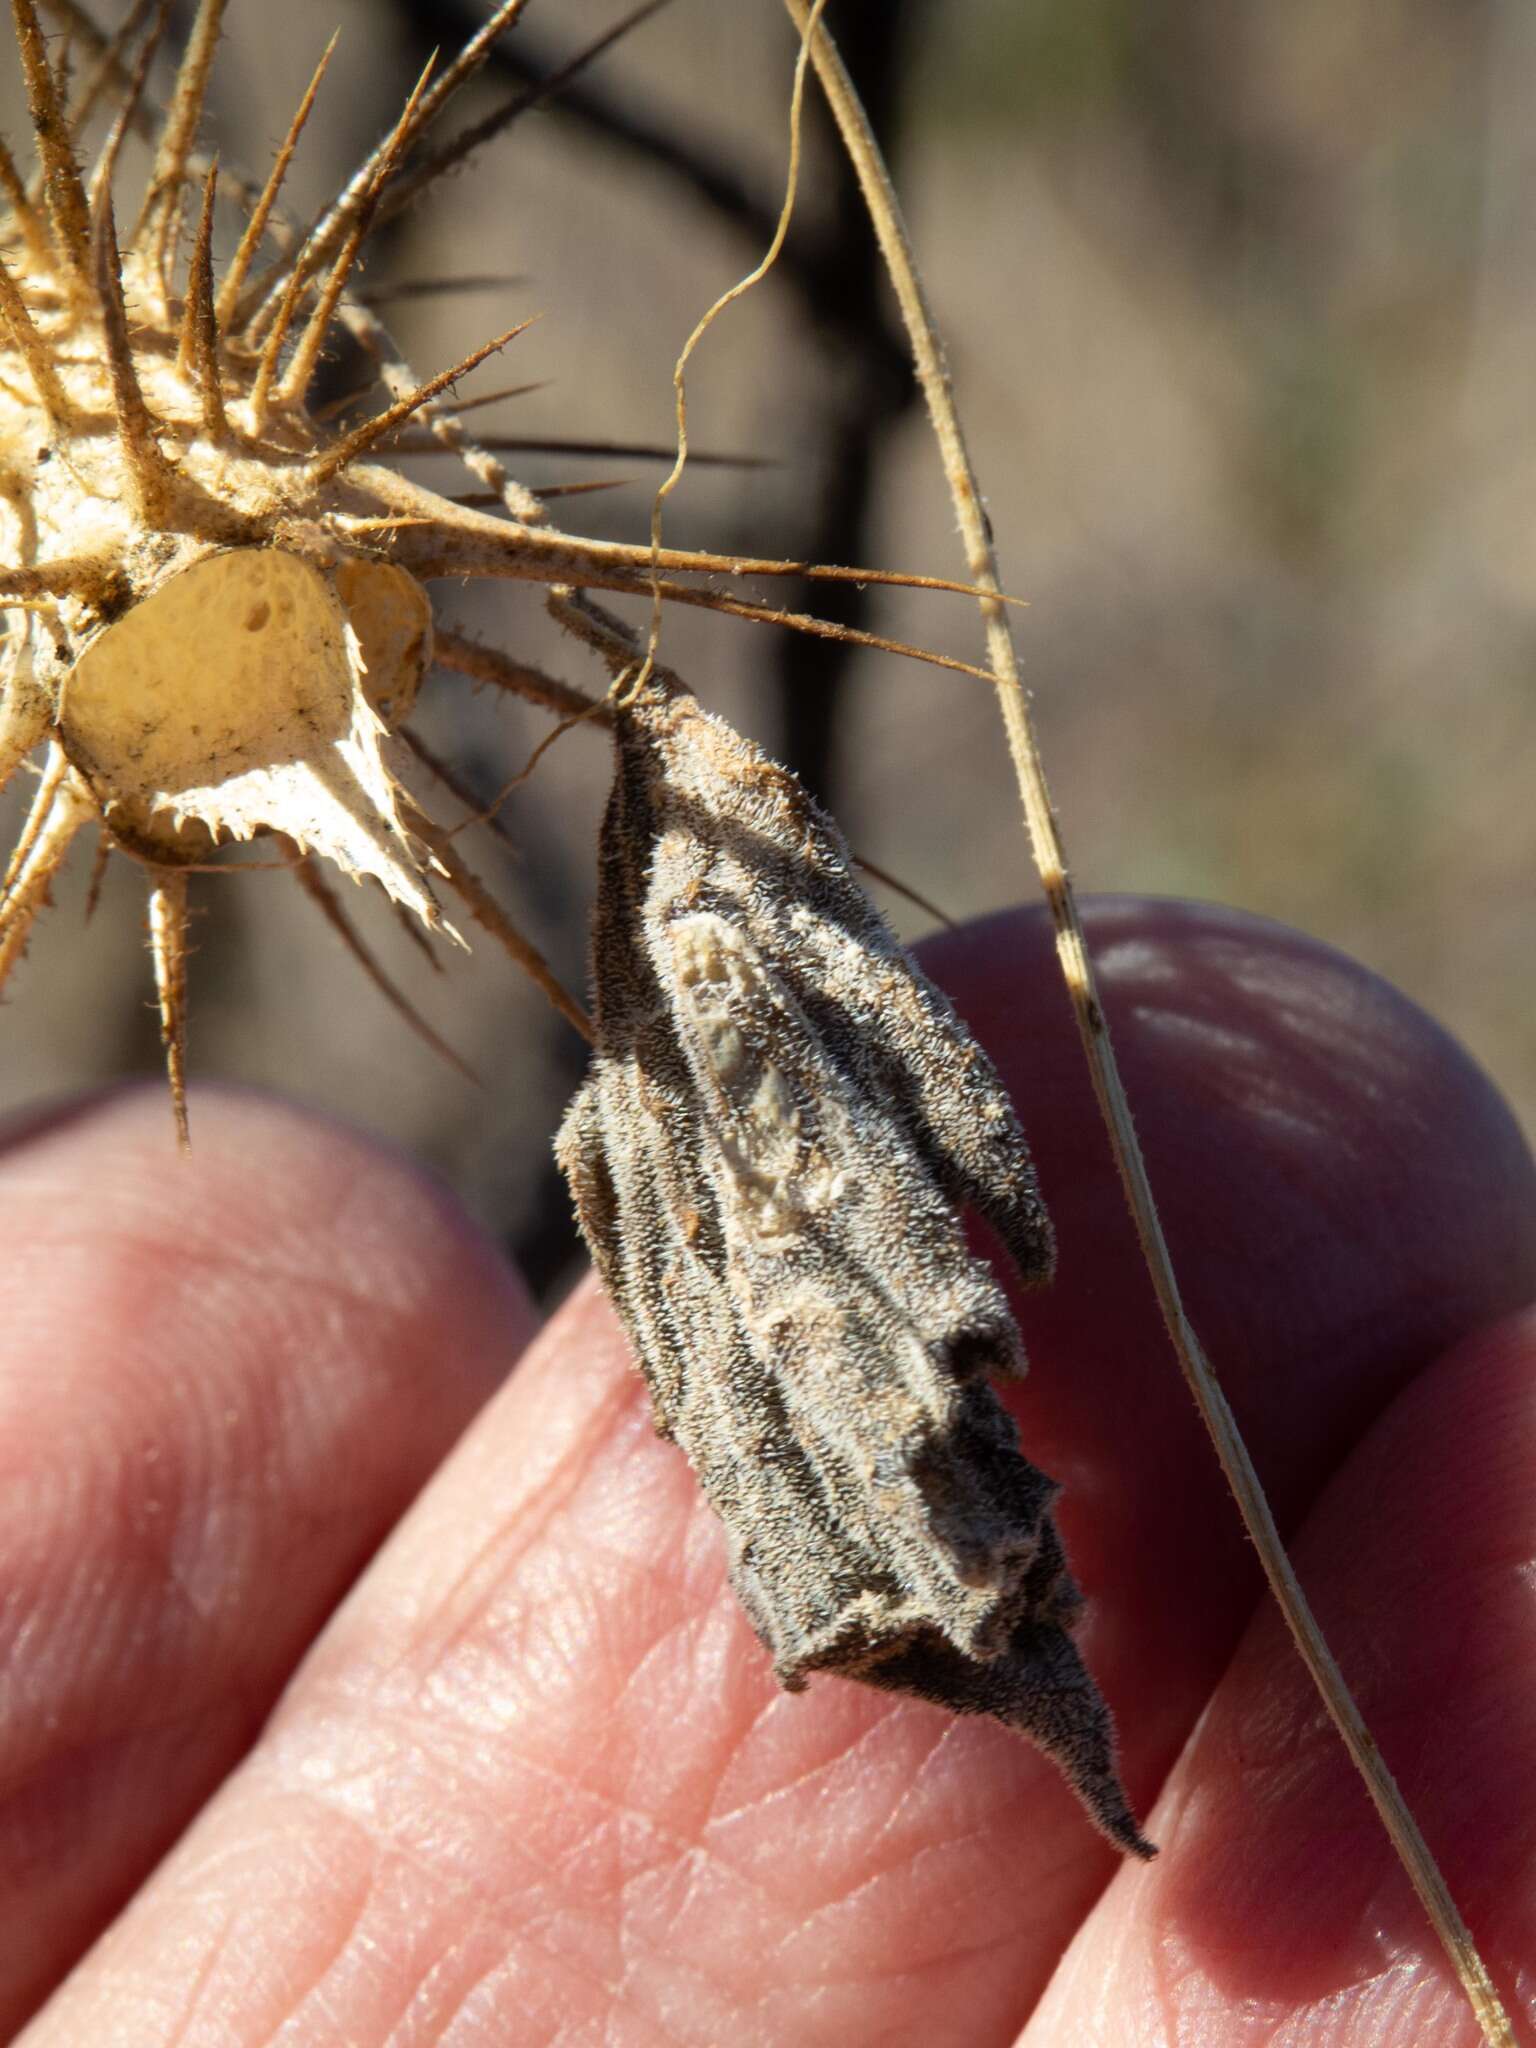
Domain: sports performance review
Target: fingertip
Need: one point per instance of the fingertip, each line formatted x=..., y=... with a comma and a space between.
x=273, y=1192
x=1344, y=1194
x=224, y=1376
x=1280, y=1893
x=1343, y=1189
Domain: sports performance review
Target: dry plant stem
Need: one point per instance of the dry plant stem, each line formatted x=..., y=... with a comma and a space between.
x=256, y=226
x=600, y=554
x=363, y=438
x=738, y=290
x=373, y=300
x=547, y=491
x=890, y=881
x=106, y=164
x=361, y=323
x=296, y=377
x=488, y=913
x=475, y=813
x=587, y=622
x=490, y=665
x=50, y=788
x=12, y=186
x=578, y=444
x=309, y=878
x=148, y=469
x=547, y=557
x=335, y=220
x=98, y=81
x=168, y=943
x=200, y=325
x=394, y=290
x=23, y=331
x=1050, y=858
x=62, y=189
x=494, y=124
x=158, y=213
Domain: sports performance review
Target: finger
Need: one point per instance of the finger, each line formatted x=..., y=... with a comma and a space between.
x=1344, y=1195
x=1278, y=1911
x=536, y=1777
x=221, y=1380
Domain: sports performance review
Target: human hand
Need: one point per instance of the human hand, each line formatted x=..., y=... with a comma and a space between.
x=505, y=1764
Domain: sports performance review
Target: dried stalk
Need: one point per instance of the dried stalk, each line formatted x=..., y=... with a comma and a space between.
x=1049, y=854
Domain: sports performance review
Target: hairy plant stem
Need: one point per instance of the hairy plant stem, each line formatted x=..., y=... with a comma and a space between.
x=1050, y=860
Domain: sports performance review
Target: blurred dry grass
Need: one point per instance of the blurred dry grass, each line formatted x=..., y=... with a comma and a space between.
x=1242, y=307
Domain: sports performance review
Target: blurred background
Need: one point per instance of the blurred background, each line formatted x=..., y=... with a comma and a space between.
x=1241, y=305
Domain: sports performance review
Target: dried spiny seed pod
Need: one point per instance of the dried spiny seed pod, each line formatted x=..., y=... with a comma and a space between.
x=216, y=613
x=782, y=1121
x=209, y=628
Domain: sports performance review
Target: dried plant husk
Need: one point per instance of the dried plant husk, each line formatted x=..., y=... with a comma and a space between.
x=782, y=1125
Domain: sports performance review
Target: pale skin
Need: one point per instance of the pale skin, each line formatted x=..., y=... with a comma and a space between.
x=317, y=1726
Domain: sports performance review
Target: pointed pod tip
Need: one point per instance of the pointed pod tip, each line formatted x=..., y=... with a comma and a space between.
x=1115, y=1819
x=1082, y=1744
